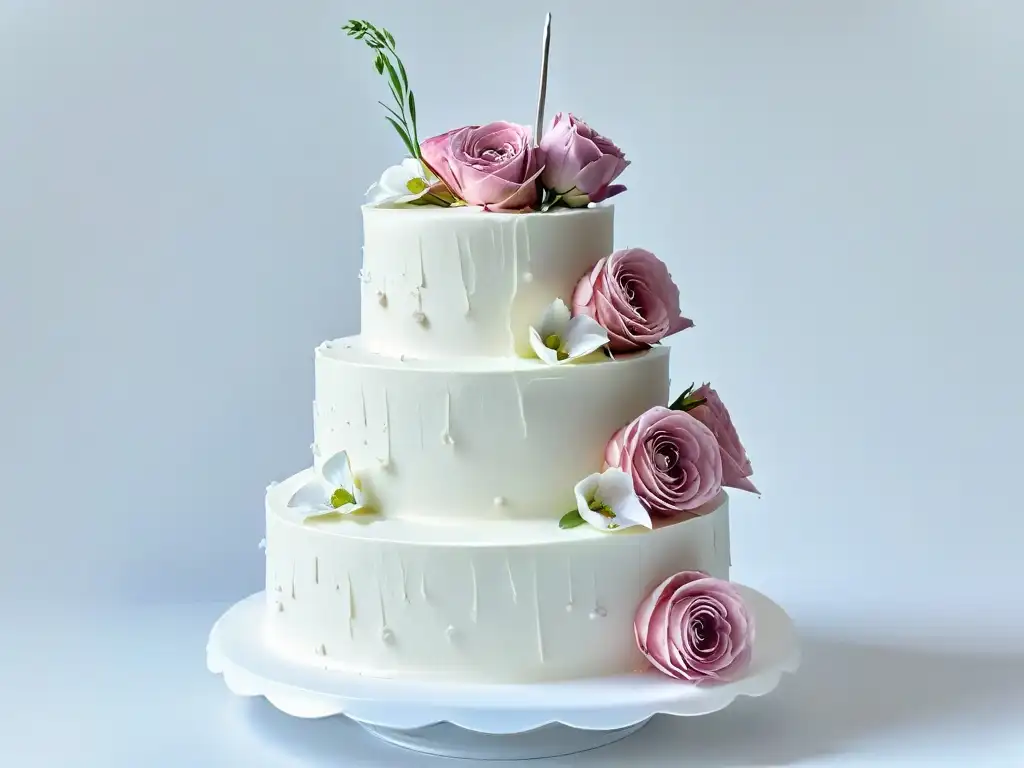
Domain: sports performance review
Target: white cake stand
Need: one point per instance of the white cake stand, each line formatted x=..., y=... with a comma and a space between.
x=499, y=722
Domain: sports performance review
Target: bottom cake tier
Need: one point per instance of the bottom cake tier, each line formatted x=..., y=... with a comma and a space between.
x=493, y=601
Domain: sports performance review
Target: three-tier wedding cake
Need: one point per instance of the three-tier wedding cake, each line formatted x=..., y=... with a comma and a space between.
x=503, y=486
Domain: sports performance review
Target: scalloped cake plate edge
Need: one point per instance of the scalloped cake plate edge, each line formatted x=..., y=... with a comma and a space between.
x=238, y=652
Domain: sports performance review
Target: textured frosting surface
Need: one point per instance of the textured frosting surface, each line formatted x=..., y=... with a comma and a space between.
x=462, y=282
x=508, y=601
x=476, y=437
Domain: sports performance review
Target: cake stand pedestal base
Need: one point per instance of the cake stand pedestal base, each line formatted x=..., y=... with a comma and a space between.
x=449, y=740
x=487, y=721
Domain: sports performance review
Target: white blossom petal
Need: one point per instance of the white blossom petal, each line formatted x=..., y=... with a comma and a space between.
x=313, y=495
x=614, y=489
x=337, y=472
x=582, y=336
x=545, y=353
x=556, y=318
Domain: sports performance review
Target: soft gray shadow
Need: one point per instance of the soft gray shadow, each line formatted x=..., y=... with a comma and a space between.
x=844, y=692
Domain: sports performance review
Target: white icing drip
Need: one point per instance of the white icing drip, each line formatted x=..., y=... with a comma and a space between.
x=536, y=608
x=383, y=610
x=598, y=613
x=351, y=605
x=419, y=421
x=714, y=539
x=474, y=609
x=293, y=579
x=366, y=424
x=511, y=582
x=403, y=575
x=446, y=435
x=522, y=407
x=423, y=586
x=568, y=568
x=316, y=570
x=279, y=606
x=321, y=650
x=463, y=255
x=450, y=633
x=423, y=272
x=597, y=603
x=387, y=429
x=529, y=254
x=387, y=636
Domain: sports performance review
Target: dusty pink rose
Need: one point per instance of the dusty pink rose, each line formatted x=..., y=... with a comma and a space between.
x=736, y=469
x=673, y=459
x=632, y=296
x=697, y=628
x=580, y=163
x=493, y=165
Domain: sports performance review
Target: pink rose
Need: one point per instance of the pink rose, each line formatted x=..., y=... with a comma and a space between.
x=632, y=296
x=581, y=164
x=697, y=628
x=673, y=459
x=736, y=467
x=493, y=165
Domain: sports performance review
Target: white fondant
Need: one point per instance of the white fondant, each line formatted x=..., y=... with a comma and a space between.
x=478, y=572
x=518, y=426
x=464, y=282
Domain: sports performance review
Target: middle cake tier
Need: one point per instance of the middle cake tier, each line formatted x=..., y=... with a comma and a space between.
x=476, y=437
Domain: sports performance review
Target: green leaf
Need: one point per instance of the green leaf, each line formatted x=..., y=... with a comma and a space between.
x=389, y=109
x=401, y=71
x=378, y=63
x=395, y=82
x=398, y=99
x=571, y=520
x=389, y=37
x=412, y=109
x=403, y=134
x=341, y=497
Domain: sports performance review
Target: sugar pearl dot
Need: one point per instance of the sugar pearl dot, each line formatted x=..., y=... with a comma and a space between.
x=280, y=606
x=321, y=650
x=499, y=501
x=450, y=632
x=382, y=298
x=568, y=608
x=598, y=613
x=419, y=317
x=387, y=636
x=528, y=277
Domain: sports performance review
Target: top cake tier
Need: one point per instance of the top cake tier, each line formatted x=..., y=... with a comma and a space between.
x=458, y=282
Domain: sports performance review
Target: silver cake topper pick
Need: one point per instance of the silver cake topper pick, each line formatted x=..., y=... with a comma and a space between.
x=539, y=126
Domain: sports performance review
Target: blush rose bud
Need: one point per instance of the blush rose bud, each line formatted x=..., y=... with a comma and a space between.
x=580, y=163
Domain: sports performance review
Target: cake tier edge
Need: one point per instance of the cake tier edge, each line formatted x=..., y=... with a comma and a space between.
x=509, y=601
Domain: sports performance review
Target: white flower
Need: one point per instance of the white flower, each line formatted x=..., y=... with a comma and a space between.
x=607, y=501
x=401, y=183
x=335, y=490
x=562, y=338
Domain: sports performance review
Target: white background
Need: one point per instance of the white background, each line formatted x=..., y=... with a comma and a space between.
x=836, y=186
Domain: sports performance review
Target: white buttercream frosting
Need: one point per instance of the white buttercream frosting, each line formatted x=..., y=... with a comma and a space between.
x=485, y=601
x=464, y=282
x=468, y=448
x=446, y=439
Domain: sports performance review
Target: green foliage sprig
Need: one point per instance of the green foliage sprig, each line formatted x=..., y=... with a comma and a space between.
x=686, y=401
x=387, y=62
